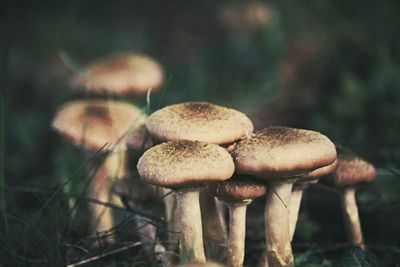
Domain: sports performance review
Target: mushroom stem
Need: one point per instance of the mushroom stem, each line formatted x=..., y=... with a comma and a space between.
x=171, y=217
x=277, y=236
x=191, y=226
x=214, y=227
x=295, y=203
x=351, y=217
x=237, y=234
x=112, y=166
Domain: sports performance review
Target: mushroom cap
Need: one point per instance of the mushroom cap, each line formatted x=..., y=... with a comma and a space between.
x=351, y=170
x=185, y=163
x=240, y=188
x=283, y=153
x=96, y=124
x=313, y=176
x=122, y=73
x=139, y=138
x=199, y=121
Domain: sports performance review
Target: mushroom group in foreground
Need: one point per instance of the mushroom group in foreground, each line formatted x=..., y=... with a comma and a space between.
x=351, y=171
x=280, y=156
x=186, y=166
x=210, y=123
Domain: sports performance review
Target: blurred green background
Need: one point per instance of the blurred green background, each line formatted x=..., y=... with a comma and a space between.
x=330, y=66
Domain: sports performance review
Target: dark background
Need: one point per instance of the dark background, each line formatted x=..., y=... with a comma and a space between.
x=330, y=66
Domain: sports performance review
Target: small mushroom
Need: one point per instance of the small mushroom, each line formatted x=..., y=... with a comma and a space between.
x=185, y=166
x=204, y=122
x=298, y=190
x=120, y=73
x=280, y=156
x=350, y=172
x=237, y=192
x=100, y=125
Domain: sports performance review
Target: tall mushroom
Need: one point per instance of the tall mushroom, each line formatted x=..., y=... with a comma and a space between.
x=204, y=122
x=237, y=192
x=184, y=166
x=96, y=125
x=280, y=156
x=350, y=172
x=298, y=190
x=120, y=73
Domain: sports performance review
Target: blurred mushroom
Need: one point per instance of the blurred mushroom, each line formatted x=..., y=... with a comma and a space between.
x=298, y=190
x=99, y=125
x=237, y=193
x=350, y=172
x=139, y=195
x=205, y=122
x=184, y=166
x=120, y=73
x=280, y=156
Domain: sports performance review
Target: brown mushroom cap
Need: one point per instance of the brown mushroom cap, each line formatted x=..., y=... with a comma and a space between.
x=122, y=73
x=185, y=163
x=199, y=121
x=351, y=170
x=281, y=152
x=97, y=124
x=240, y=188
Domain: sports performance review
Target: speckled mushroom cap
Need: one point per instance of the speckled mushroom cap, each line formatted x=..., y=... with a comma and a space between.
x=97, y=124
x=240, y=188
x=185, y=163
x=122, y=73
x=351, y=170
x=282, y=152
x=199, y=121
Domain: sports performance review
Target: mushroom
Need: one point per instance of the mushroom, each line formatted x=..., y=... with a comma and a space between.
x=298, y=190
x=204, y=122
x=120, y=73
x=184, y=166
x=350, y=172
x=100, y=125
x=237, y=193
x=279, y=156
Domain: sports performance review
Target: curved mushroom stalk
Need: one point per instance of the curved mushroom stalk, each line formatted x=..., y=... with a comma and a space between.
x=351, y=218
x=277, y=237
x=100, y=189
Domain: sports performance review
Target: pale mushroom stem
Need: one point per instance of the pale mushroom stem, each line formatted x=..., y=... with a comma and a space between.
x=191, y=226
x=295, y=203
x=171, y=217
x=237, y=234
x=112, y=167
x=214, y=227
x=351, y=217
x=277, y=236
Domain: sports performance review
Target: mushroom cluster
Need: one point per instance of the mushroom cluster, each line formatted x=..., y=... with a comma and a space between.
x=198, y=157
